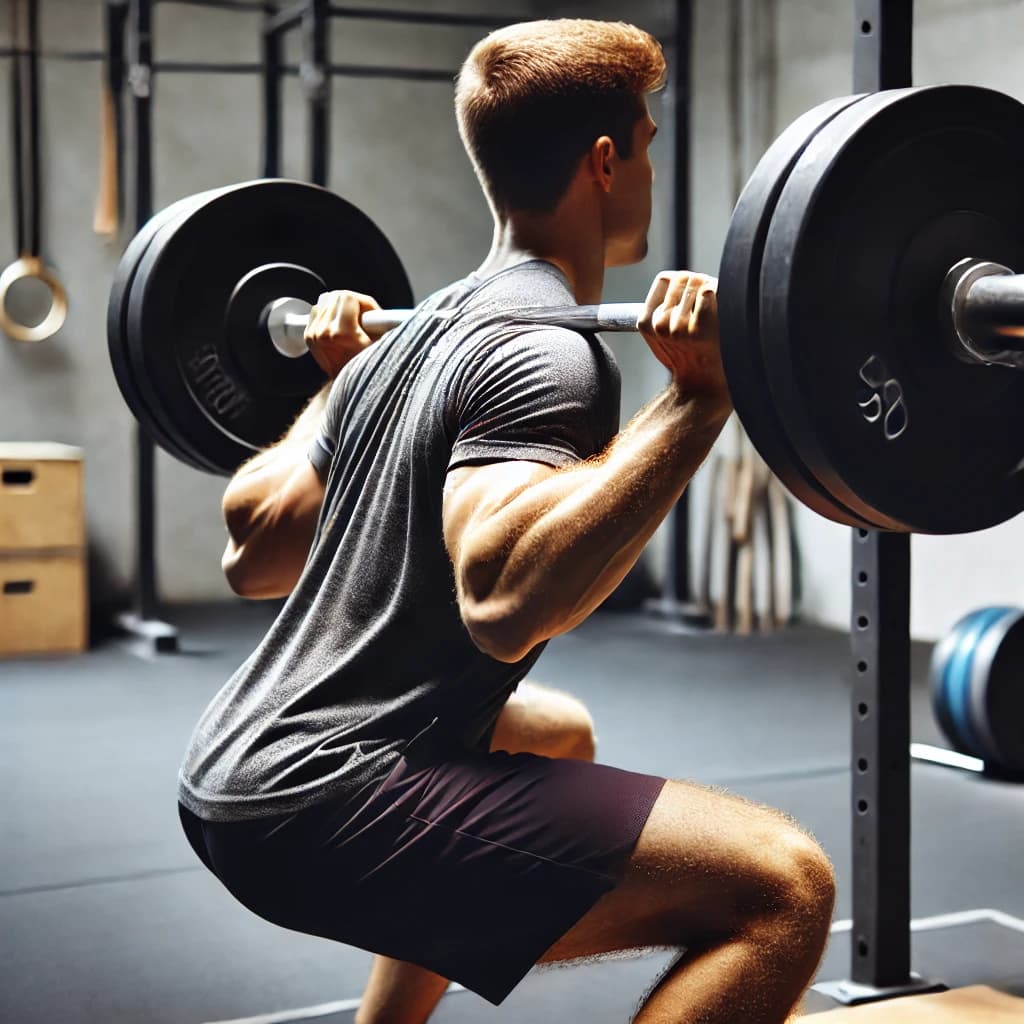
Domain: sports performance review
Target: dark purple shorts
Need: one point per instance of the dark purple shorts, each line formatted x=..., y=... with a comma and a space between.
x=470, y=866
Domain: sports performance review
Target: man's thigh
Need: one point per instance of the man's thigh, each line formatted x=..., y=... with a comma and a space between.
x=701, y=862
x=539, y=719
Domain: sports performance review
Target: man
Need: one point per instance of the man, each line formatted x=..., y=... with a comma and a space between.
x=457, y=499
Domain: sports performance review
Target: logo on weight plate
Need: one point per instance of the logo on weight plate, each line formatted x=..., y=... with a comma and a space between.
x=880, y=398
x=217, y=389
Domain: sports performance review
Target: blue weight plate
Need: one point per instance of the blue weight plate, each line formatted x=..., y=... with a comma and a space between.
x=938, y=673
x=996, y=697
x=951, y=669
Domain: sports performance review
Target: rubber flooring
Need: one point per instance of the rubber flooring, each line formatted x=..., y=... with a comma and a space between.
x=105, y=915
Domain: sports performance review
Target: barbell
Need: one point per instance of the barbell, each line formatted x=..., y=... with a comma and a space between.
x=871, y=322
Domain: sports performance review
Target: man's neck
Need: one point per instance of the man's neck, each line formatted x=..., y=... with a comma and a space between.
x=564, y=237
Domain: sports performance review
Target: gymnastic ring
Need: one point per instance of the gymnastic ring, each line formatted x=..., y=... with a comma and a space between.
x=32, y=266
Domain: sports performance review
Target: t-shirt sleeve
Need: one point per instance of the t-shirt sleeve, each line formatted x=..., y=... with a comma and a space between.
x=545, y=395
x=325, y=441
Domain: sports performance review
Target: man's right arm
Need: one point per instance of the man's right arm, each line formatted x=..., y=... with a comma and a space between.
x=536, y=549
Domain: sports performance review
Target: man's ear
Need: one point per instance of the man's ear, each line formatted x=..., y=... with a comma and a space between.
x=602, y=162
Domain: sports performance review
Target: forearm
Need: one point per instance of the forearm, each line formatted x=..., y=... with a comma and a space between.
x=546, y=559
x=272, y=504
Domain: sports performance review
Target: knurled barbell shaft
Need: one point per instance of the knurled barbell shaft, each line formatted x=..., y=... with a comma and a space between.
x=287, y=319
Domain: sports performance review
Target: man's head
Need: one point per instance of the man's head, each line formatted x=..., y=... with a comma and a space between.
x=533, y=100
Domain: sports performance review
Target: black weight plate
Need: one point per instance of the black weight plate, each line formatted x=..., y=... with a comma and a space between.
x=117, y=311
x=887, y=196
x=147, y=406
x=259, y=364
x=181, y=296
x=739, y=284
x=177, y=421
x=996, y=699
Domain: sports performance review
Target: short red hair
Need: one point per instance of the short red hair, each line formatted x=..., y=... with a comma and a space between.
x=532, y=98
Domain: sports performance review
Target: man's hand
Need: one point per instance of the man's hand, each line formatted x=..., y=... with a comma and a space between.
x=680, y=324
x=334, y=334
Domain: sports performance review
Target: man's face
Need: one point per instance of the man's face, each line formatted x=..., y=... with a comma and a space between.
x=629, y=208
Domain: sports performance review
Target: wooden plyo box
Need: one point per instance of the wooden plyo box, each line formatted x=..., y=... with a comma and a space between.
x=977, y=1004
x=43, y=604
x=41, y=497
x=43, y=568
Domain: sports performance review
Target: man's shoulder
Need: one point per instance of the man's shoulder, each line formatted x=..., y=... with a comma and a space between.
x=487, y=332
x=491, y=312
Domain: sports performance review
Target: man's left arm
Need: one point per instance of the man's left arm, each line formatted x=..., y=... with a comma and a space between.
x=272, y=504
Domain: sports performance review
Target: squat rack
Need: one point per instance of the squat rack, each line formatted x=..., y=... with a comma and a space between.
x=313, y=17
x=880, y=658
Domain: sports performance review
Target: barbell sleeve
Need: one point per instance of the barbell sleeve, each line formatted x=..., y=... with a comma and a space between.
x=986, y=303
x=287, y=318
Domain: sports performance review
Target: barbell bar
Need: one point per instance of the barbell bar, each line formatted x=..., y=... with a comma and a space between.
x=985, y=307
x=870, y=322
x=287, y=318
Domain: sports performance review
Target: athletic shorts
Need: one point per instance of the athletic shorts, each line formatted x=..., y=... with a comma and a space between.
x=471, y=866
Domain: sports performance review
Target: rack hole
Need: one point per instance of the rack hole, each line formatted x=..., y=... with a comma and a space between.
x=862, y=577
x=862, y=667
x=862, y=806
x=865, y=27
x=862, y=764
x=862, y=622
x=862, y=710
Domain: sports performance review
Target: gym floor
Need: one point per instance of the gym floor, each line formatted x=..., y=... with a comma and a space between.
x=107, y=915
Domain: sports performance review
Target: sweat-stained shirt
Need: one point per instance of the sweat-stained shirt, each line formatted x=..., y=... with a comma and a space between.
x=369, y=651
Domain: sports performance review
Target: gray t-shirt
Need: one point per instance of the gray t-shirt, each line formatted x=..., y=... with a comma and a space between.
x=369, y=650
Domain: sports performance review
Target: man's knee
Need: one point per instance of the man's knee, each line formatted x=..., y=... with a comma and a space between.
x=796, y=881
x=729, y=865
